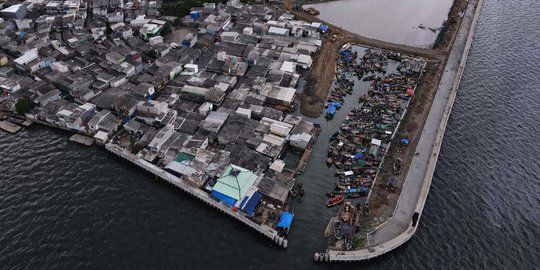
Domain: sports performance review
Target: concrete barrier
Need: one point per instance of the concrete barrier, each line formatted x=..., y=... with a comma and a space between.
x=387, y=246
x=197, y=193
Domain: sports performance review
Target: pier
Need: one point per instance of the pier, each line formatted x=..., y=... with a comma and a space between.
x=84, y=140
x=197, y=193
x=9, y=127
x=404, y=222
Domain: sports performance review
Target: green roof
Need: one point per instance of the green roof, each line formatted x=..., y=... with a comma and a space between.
x=184, y=158
x=235, y=182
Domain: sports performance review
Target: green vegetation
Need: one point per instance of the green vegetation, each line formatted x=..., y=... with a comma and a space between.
x=359, y=243
x=181, y=8
x=24, y=105
x=135, y=146
x=166, y=30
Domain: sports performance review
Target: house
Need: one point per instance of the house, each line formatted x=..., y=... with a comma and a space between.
x=105, y=122
x=44, y=99
x=144, y=90
x=161, y=137
x=26, y=58
x=14, y=12
x=236, y=187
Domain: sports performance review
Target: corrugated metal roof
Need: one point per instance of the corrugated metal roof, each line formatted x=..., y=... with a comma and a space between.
x=235, y=182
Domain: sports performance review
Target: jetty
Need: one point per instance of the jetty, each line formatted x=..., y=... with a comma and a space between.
x=9, y=127
x=84, y=140
x=402, y=225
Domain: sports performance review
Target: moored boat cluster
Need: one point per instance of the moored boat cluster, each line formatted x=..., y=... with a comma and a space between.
x=358, y=148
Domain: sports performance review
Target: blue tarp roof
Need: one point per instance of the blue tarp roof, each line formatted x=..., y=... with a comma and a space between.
x=405, y=141
x=358, y=189
x=249, y=204
x=347, y=58
x=331, y=109
x=358, y=155
x=224, y=198
x=345, y=53
x=335, y=103
x=323, y=27
x=285, y=220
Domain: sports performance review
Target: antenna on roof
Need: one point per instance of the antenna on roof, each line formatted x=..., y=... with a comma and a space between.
x=235, y=172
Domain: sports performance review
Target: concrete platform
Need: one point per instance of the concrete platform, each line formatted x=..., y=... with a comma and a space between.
x=27, y=123
x=84, y=140
x=9, y=127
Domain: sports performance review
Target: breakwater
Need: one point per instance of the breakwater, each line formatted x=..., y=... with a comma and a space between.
x=404, y=223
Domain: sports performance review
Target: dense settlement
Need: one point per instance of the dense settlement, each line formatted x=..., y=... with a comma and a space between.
x=207, y=113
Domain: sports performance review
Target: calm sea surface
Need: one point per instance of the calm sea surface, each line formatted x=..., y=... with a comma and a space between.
x=399, y=21
x=63, y=205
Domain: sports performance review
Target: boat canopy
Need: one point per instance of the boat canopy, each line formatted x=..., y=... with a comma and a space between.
x=331, y=109
x=285, y=220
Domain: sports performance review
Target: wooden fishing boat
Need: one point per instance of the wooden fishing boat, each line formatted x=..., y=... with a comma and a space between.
x=334, y=136
x=337, y=230
x=301, y=195
x=335, y=200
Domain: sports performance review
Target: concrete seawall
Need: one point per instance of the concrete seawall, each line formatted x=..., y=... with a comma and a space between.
x=197, y=193
x=404, y=222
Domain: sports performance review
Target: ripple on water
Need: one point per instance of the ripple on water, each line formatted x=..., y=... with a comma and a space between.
x=67, y=206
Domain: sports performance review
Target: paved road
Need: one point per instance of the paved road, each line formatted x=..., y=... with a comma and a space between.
x=416, y=176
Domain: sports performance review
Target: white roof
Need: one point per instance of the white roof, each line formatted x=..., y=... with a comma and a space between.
x=304, y=59
x=27, y=57
x=278, y=165
x=12, y=9
x=285, y=94
x=278, y=30
x=288, y=66
x=102, y=136
x=376, y=142
x=243, y=111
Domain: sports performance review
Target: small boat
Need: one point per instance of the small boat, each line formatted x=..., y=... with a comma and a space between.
x=334, y=136
x=337, y=230
x=350, y=190
x=335, y=200
x=369, y=78
x=348, y=243
x=329, y=161
x=397, y=166
x=296, y=190
x=301, y=195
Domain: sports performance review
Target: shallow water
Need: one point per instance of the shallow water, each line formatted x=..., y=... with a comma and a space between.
x=395, y=21
x=63, y=205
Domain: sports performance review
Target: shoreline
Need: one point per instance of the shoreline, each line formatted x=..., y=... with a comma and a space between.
x=432, y=136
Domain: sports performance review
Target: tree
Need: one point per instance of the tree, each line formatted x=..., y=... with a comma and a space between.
x=24, y=105
x=166, y=30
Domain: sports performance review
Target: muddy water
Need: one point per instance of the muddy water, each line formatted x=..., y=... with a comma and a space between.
x=398, y=21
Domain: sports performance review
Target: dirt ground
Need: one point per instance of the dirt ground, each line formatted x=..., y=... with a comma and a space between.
x=322, y=72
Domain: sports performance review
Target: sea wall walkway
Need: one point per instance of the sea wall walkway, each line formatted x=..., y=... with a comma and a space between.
x=197, y=193
x=401, y=226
